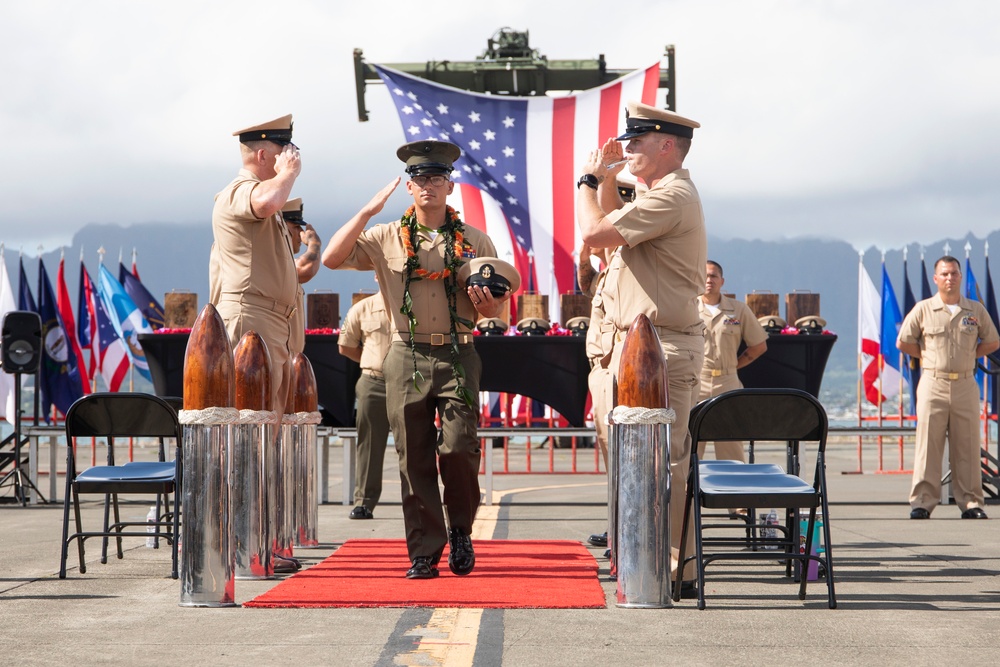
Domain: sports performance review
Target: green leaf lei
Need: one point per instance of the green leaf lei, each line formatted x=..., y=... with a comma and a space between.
x=453, y=229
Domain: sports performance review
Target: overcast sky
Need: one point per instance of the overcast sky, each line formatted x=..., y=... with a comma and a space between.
x=873, y=122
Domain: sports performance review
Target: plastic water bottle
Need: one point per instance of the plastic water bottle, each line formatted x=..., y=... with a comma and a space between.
x=769, y=532
x=150, y=527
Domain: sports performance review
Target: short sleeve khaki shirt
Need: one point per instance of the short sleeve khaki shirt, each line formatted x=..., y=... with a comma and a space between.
x=725, y=330
x=367, y=326
x=948, y=341
x=251, y=255
x=380, y=248
x=661, y=270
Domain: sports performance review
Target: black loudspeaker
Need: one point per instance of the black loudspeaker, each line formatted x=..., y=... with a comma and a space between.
x=22, y=341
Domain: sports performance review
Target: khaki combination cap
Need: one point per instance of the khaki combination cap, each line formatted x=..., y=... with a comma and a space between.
x=492, y=326
x=292, y=211
x=578, y=325
x=772, y=322
x=429, y=157
x=278, y=131
x=533, y=326
x=641, y=118
x=494, y=274
x=810, y=322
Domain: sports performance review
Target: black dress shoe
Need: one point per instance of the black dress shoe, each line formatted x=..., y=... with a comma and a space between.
x=974, y=513
x=607, y=553
x=286, y=565
x=421, y=569
x=361, y=512
x=598, y=540
x=461, y=557
x=921, y=513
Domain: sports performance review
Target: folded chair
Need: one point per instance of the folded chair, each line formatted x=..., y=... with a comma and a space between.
x=776, y=415
x=122, y=415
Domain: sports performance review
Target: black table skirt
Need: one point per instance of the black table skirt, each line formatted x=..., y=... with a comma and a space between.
x=549, y=369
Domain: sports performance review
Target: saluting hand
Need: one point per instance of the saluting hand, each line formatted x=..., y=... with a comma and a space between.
x=374, y=207
x=288, y=161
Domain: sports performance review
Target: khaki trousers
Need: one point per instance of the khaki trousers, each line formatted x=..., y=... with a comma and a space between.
x=947, y=409
x=373, y=434
x=421, y=452
x=685, y=356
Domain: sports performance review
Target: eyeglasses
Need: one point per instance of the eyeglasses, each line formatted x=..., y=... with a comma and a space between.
x=436, y=180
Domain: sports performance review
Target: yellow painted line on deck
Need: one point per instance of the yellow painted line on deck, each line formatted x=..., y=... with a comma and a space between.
x=450, y=637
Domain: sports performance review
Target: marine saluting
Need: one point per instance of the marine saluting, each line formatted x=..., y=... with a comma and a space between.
x=432, y=367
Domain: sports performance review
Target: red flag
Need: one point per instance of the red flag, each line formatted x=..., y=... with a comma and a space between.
x=65, y=308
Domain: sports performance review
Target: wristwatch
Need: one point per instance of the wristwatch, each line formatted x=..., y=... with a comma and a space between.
x=589, y=180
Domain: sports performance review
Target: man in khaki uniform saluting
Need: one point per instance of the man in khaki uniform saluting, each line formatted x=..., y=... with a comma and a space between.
x=660, y=268
x=948, y=333
x=432, y=365
x=728, y=323
x=364, y=338
x=252, y=273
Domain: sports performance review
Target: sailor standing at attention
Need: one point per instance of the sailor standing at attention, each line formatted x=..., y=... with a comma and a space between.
x=948, y=333
x=432, y=367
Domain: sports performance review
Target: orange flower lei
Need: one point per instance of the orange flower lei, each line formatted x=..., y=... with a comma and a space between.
x=411, y=255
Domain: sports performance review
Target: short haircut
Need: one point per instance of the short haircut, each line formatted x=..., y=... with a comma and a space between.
x=948, y=259
x=718, y=266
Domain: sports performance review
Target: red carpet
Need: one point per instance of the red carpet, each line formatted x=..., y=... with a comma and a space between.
x=511, y=574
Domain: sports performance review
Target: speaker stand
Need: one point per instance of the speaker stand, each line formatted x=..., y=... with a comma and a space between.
x=16, y=476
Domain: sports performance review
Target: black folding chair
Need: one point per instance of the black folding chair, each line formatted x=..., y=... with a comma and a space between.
x=121, y=415
x=755, y=415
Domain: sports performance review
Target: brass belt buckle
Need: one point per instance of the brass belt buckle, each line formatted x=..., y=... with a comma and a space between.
x=437, y=339
x=952, y=376
x=291, y=312
x=716, y=372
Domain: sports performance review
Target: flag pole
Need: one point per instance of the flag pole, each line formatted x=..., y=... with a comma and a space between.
x=861, y=268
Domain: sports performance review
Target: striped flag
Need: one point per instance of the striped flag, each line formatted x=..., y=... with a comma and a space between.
x=126, y=319
x=517, y=174
x=110, y=355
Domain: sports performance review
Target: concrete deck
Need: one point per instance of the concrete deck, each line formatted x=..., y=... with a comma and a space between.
x=909, y=593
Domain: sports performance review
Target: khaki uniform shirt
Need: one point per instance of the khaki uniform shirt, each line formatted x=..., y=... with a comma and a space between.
x=380, y=248
x=733, y=324
x=367, y=326
x=661, y=271
x=251, y=256
x=948, y=342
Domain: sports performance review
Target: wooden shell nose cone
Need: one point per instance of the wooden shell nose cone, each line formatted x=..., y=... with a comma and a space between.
x=253, y=373
x=208, y=364
x=304, y=381
x=642, y=372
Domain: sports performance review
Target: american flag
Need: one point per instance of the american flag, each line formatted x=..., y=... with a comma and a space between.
x=520, y=157
x=107, y=348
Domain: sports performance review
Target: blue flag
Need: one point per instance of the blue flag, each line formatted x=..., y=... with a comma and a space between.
x=126, y=319
x=25, y=301
x=150, y=307
x=911, y=372
x=971, y=286
x=891, y=321
x=60, y=377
